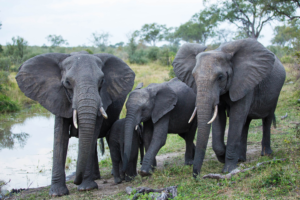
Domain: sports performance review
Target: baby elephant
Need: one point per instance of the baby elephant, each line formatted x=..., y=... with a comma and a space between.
x=116, y=147
x=163, y=108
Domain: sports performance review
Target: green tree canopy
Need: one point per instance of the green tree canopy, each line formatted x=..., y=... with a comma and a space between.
x=250, y=16
x=283, y=8
x=152, y=33
x=56, y=40
x=200, y=27
x=17, y=48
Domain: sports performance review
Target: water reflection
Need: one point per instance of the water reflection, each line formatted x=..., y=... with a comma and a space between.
x=26, y=147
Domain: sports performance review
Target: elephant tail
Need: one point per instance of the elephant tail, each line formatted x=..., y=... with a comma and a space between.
x=274, y=121
x=101, y=144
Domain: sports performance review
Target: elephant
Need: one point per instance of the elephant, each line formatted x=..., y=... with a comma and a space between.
x=163, y=108
x=88, y=89
x=116, y=147
x=240, y=79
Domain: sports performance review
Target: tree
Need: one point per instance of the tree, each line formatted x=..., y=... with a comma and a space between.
x=17, y=48
x=132, y=45
x=0, y=25
x=250, y=16
x=283, y=8
x=152, y=33
x=288, y=35
x=100, y=40
x=200, y=27
x=56, y=40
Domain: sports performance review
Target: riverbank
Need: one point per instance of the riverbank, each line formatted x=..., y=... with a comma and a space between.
x=278, y=180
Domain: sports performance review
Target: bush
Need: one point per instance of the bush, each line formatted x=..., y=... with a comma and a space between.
x=287, y=59
x=139, y=57
x=7, y=105
x=5, y=63
x=153, y=53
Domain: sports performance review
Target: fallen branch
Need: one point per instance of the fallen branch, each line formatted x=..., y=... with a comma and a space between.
x=164, y=193
x=238, y=170
x=285, y=116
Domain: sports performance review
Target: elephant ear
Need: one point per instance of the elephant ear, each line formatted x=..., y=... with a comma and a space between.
x=165, y=101
x=252, y=62
x=139, y=86
x=185, y=61
x=40, y=79
x=118, y=79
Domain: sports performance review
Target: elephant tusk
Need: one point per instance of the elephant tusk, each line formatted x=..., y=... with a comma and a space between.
x=75, y=118
x=193, y=115
x=103, y=113
x=136, y=127
x=215, y=115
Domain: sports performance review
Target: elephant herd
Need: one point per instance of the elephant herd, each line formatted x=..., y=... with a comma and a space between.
x=240, y=80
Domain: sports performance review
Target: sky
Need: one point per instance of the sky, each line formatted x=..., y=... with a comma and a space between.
x=76, y=20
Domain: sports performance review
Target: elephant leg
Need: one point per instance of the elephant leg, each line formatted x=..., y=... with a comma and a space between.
x=96, y=166
x=238, y=117
x=117, y=165
x=159, y=138
x=243, y=143
x=147, y=137
x=60, y=147
x=218, y=131
x=189, y=144
x=88, y=182
x=266, y=141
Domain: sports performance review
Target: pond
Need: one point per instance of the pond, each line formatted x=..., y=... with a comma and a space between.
x=26, y=147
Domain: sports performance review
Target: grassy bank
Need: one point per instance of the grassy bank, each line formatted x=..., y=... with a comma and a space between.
x=278, y=180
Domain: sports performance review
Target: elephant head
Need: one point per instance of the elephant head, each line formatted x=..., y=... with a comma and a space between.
x=152, y=102
x=79, y=85
x=235, y=68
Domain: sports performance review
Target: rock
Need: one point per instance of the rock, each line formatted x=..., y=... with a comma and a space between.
x=128, y=190
x=105, y=181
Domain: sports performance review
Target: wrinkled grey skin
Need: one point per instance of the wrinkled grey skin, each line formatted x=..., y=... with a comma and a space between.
x=163, y=108
x=78, y=81
x=116, y=147
x=244, y=79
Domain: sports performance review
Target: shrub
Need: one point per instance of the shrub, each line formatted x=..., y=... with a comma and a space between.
x=139, y=57
x=5, y=63
x=287, y=59
x=153, y=53
x=7, y=105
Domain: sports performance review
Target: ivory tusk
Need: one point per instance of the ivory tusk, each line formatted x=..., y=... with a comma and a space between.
x=75, y=118
x=215, y=115
x=103, y=113
x=136, y=127
x=193, y=115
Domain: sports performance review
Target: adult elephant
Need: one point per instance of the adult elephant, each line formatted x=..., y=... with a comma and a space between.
x=79, y=86
x=163, y=108
x=241, y=77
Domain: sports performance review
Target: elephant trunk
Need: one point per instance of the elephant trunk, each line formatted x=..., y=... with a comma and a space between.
x=87, y=114
x=130, y=124
x=204, y=115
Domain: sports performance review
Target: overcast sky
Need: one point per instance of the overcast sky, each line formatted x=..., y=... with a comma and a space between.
x=76, y=20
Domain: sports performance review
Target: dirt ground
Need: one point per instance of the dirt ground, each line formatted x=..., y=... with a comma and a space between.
x=106, y=186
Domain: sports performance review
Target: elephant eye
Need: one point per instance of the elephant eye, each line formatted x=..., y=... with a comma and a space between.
x=220, y=77
x=100, y=82
x=67, y=83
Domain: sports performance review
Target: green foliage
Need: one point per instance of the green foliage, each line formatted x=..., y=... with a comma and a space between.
x=5, y=63
x=56, y=40
x=153, y=53
x=152, y=33
x=283, y=9
x=287, y=59
x=100, y=40
x=139, y=57
x=89, y=51
x=7, y=105
x=17, y=49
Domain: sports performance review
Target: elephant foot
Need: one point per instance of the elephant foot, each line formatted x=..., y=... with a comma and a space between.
x=266, y=151
x=118, y=180
x=189, y=162
x=242, y=158
x=57, y=190
x=144, y=173
x=87, y=185
x=97, y=176
x=129, y=178
x=221, y=158
x=229, y=167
